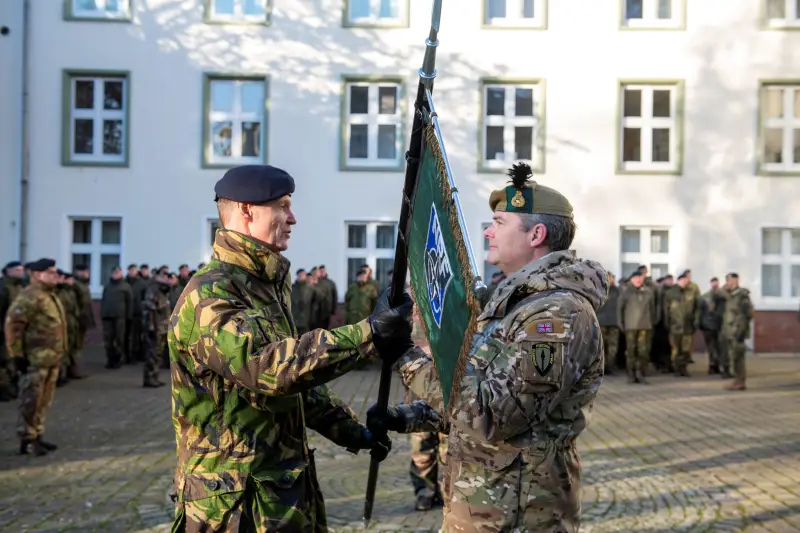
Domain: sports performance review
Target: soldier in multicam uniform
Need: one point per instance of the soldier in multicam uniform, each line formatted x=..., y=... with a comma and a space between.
x=608, y=316
x=735, y=330
x=10, y=287
x=245, y=386
x=682, y=318
x=69, y=302
x=532, y=377
x=36, y=340
x=637, y=311
x=155, y=324
x=712, y=306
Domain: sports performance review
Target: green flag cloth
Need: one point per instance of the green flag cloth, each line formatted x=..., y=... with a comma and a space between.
x=442, y=280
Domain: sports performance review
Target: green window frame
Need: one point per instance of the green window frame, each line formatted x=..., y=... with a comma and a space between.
x=75, y=11
x=778, y=138
x=376, y=17
x=650, y=15
x=235, y=133
x=522, y=102
x=514, y=14
x=650, y=119
x=372, y=108
x=780, y=15
x=95, y=118
x=239, y=16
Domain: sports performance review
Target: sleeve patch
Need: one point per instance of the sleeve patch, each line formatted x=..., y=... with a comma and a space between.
x=545, y=327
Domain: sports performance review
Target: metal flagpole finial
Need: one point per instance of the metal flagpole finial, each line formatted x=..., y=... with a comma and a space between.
x=428, y=71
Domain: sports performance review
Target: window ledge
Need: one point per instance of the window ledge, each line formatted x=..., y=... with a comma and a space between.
x=234, y=22
x=106, y=164
x=78, y=18
x=788, y=26
x=778, y=173
x=654, y=27
x=394, y=25
x=649, y=172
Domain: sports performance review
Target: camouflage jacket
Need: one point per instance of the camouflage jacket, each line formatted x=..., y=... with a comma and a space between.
x=86, y=320
x=737, y=315
x=534, y=370
x=330, y=296
x=359, y=301
x=244, y=389
x=306, y=305
x=69, y=302
x=637, y=308
x=9, y=290
x=156, y=308
x=712, y=306
x=36, y=327
x=681, y=310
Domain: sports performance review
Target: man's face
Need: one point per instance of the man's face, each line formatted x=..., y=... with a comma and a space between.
x=302, y=276
x=116, y=274
x=69, y=281
x=47, y=277
x=612, y=280
x=323, y=273
x=731, y=283
x=184, y=272
x=272, y=223
x=715, y=284
x=133, y=272
x=362, y=278
x=82, y=274
x=683, y=282
x=17, y=272
x=161, y=278
x=669, y=282
x=508, y=243
x=145, y=272
x=637, y=281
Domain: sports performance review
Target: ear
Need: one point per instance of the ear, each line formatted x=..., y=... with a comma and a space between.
x=246, y=211
x=538, y=235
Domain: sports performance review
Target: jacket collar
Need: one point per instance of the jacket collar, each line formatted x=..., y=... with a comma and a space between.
x=237, y=249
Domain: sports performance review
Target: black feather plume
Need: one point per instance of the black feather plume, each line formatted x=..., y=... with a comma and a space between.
x=520, y=174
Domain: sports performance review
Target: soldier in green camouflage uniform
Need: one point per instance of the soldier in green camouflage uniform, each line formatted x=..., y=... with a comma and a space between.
x=682, y=318
x=330, y=295
x=359, y=301
x=86, y=319
x=245, y=385
x=712, y=306
x=305, y=303
x=637, y=311
x=10, y=287
x=532, y=377
x=36, y=340
x=155, y=324
x=69, y=302
x=608, y=316
x=735, y=330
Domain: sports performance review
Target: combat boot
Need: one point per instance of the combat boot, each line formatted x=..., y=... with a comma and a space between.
x=49, y=446
x=151, y=384
x=26, y=446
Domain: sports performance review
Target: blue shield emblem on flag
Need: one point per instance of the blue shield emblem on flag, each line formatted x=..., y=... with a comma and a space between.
x=438, y=273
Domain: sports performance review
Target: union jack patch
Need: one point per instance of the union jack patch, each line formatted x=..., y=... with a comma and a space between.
x=544, y=327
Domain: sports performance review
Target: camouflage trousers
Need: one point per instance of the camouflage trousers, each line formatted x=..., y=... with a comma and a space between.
x=153, y=348
x=428, y=450
x=610, y=345
x=732, y=354
x=681, y=354
x=8, y=373
x=637, y=355
x=37, y=387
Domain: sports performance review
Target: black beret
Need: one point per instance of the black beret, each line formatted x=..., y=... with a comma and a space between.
x=299, y=270
x=41, y=265
x=68, y=275
x=12, y=264
x=715, y=278
x=183, y=266
x=81, y=267
x=61, y=272
x=254, y=184
x=682, y=276
x=132, y=265
x=144, y=265
x=322, y=266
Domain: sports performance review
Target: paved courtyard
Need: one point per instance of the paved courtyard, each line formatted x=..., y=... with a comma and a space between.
x=678, y=455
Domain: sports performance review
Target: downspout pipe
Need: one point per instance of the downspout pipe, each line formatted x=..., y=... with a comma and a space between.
x=25, y=135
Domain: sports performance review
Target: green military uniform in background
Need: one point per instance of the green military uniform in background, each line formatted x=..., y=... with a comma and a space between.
x=682, y=318
x=735, y=330
x=135, y=335
x=608, y=317
x=86, y=320
x=359, y=301
x=330, y=300
x=9, y=290
x=69, y=302
x=637, y=311
x=156, y=310
x=307, y=306
x=712, y=307
x=36, y=332
x=116, y=310
x=243, y=456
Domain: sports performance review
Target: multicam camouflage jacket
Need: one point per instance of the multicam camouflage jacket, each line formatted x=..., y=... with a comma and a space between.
x=69, y=302
x=244, y=389
x=737, y=315
x=534, y=371
x=36, y=327
x=156, y=308
x=681, y=310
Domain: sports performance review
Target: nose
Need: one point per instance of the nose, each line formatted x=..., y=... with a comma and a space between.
x=291, y=220
x=488, y=233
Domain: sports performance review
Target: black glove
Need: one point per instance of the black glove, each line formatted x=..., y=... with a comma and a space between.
x=379, y=445
x=21, y=364
x=391, y=327
x=381, y=422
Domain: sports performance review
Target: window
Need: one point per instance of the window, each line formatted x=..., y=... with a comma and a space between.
x=97, y=243
x=515, y=13
x=780, y=127
x=372, y=126
x=376, y=13
x=235, y=121
x=371, y=243
x=116, y=10
x=96, y=118
x=488, y=268
x=645, y=246
x=210, y=234
x=780, y=264
x=650, y=14
x=781, y=13
x=649, y=128
x=238, y=11
x=512, y=124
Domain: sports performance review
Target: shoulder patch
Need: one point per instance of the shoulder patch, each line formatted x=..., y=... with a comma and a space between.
x=545, y=326
x=544, y=355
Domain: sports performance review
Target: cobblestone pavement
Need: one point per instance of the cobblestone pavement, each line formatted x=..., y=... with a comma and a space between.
x=678, y=455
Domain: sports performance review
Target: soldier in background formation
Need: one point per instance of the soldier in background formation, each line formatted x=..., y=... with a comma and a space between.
x=36, y=339
x=682, y=318
x=156, y=309
x=712, y=307
x=608, y=316
x=116, y=311
x=10, y=286
x=361, y=297
x=637, y=313
x=67, y=294
x=735, y=329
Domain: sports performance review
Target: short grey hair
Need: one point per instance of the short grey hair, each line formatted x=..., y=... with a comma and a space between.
x=560, y=230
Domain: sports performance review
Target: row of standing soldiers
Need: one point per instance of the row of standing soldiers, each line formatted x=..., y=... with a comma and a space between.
x=653, y=314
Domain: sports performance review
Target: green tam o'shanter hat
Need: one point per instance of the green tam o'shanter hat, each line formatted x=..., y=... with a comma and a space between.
x=525, y=196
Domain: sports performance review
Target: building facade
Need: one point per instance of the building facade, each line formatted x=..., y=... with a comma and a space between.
x=672, y=125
